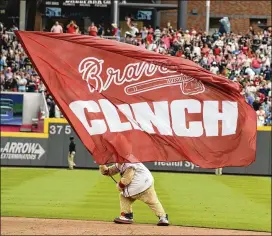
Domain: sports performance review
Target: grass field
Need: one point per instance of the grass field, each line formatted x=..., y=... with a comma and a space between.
x=234, y=202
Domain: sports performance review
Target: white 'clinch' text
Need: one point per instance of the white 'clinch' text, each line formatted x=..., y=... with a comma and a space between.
x=169, y=118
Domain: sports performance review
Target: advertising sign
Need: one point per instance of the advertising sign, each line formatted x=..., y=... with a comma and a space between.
x=53, y=11
x=79, y=3
x=144, y=15
x=24, y=151
x=11, y=108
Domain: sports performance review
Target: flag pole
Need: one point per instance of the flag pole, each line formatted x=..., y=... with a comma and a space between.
x=113, y=179
x=208, y=4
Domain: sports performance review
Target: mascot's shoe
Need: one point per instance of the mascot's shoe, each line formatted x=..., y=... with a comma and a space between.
x=163, y=221
x=124, y=218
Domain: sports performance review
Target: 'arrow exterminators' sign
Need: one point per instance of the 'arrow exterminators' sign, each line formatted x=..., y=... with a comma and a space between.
x=22, y=151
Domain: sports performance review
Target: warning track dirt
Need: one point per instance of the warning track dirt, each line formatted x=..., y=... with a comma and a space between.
x=33, y=226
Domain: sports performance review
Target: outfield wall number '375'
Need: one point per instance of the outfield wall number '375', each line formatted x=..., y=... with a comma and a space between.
x=57, y=129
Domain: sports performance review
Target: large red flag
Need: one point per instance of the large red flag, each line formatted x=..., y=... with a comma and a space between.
x=128, y=104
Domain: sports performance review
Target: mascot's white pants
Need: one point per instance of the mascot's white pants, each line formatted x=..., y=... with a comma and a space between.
x=149, y=197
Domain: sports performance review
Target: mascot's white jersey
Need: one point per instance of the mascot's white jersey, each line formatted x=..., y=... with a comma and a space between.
x=141, y=181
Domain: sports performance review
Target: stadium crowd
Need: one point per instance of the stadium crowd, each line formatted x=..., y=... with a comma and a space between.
x=243, y=58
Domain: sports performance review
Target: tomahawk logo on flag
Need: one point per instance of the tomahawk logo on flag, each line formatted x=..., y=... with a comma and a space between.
x=131, y=105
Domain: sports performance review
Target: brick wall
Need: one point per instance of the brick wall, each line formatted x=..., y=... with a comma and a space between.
x=239, y=13
x=239, y=25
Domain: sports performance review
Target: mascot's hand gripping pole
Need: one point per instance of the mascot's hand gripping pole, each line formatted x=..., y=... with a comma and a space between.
x=105, y=171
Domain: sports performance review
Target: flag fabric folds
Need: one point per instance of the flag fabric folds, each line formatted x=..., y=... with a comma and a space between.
x=128, y=104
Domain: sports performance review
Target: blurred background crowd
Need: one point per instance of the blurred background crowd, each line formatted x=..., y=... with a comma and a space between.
x=242, y=58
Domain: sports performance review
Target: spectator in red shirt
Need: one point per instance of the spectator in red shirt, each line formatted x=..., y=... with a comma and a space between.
x=216, y=51
x=92, y=30
x=256, y=65
x=245, y=49
x=256, y=81
x=261, y=96
x=149, y=38
x=72, y=28
x=205, y=50
x=179, y=53
x=114, y=30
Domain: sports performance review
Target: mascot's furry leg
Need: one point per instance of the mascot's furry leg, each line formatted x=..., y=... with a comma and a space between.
x=150, y=198
x=126, y=210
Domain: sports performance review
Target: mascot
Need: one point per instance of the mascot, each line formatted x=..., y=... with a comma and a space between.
x=136, y=183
